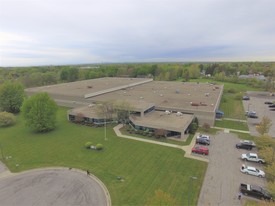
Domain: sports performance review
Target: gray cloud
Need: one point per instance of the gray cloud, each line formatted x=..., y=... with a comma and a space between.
x=36, y=32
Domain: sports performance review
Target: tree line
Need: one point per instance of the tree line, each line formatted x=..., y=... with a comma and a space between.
x=226, y=72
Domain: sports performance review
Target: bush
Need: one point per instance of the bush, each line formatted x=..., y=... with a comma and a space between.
x=224, y=99
x=206, y=127
x=6, y=119
x=88, y=145
x=99, y=146
x=232, y=91
x=238, y=96
x=193, y=128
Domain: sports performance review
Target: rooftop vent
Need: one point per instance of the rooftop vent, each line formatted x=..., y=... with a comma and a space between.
x=195, y=104
x=179, y=114
x=167, y=112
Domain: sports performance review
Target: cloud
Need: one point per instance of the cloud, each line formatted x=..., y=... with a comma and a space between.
x=83, y=31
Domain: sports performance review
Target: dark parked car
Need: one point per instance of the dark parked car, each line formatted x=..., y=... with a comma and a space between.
x=272, y=106
x=246, y=98
x=255, y=191
x=245, y=144
x=251, y=114
x=202, y=141
x=268, y=102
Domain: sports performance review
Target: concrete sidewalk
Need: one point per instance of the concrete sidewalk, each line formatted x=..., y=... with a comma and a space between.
x=233, y=130
x=186, y=148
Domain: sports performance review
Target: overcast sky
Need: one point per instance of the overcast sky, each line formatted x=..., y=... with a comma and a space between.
x=51, y=32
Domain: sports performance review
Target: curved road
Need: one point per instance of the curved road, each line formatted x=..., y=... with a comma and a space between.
x=58, y=186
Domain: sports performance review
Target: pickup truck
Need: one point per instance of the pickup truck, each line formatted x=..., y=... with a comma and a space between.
x=252, y=157
x=255, y=191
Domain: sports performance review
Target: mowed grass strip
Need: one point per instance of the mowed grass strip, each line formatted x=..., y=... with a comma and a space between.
x=144, y=167
x=232, y=107
x=232, y=125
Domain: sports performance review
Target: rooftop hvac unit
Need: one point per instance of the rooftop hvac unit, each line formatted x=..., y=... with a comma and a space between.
x=167, y=112
x=179, y=114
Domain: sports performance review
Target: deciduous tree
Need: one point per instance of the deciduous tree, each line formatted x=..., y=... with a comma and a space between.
x=11, y=96
x=39, y=112
x=264, y=125
x=267, y=154
x=265, y=141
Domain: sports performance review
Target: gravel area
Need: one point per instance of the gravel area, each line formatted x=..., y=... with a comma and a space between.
x=223, y=176
x=51, y=187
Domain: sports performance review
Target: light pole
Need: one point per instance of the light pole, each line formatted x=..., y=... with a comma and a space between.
x=190, y=187
x=105, y=130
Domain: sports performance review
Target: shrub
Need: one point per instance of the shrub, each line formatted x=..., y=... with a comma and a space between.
x=232, y=91
x=193, y=127
x=238, y=96
x=206, y=127
x=6, y=119
x=88, y=145
x=99, y=146
x=224, y=99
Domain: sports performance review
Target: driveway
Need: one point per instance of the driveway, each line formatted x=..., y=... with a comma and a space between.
x=223, y=176
x=52, y=187
x=256, y=103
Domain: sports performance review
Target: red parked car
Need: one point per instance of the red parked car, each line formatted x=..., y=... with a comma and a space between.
x=200, y=150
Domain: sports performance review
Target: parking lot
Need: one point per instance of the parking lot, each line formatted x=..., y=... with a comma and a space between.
x=223, y=176
x=256, y=103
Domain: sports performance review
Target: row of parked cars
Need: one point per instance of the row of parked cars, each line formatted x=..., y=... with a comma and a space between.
x=248, y=189
x=202, y=139
x=271, y=105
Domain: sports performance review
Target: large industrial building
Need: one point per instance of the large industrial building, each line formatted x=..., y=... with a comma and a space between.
x=170, y=106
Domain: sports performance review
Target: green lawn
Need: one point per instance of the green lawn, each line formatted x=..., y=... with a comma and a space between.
x=145, y=167
x=231, y=125
x=231, y=107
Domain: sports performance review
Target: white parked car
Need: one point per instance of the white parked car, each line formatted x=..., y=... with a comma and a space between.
x=252, y=171
x=203, y=136
x=253, y=157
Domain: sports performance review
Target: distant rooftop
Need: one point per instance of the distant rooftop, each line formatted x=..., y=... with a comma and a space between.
x=141, y=92
x=82, y=88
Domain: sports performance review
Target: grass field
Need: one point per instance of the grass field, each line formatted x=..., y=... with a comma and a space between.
x=144, y=167
x=232, y=125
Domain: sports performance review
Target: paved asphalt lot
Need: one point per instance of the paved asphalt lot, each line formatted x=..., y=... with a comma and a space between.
x=223, y=176
x=51, y=187
x=256, y=103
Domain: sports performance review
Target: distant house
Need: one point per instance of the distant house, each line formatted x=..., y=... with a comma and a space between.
x=253, y=76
